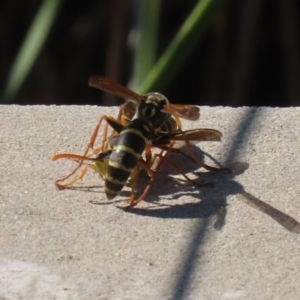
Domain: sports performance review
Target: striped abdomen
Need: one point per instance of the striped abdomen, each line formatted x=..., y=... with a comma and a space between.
x=167, y=127
x=124, y=158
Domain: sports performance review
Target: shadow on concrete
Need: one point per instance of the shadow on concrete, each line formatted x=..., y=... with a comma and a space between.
x=213, y=203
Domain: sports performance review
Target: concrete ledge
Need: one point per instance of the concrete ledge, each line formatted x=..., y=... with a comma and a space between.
x=182, y=243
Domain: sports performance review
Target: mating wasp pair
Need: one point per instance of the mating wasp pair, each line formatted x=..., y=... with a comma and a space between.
x=157, y=124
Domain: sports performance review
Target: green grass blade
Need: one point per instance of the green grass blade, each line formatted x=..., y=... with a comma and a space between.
x=145, y=55
x=30, y=48
x=181, y=46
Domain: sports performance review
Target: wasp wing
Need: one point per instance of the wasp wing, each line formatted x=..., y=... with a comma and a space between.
x=107, y=85
x=188, y=112
x=193, y=136
x=198, y=135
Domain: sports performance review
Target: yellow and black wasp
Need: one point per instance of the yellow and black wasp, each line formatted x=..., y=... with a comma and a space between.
x=101, y=164
x=157, y=124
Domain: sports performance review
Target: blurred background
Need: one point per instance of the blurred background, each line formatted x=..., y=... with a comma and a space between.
x=208, y=52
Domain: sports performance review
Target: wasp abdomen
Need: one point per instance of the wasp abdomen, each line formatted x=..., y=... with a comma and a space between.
x=127, y=151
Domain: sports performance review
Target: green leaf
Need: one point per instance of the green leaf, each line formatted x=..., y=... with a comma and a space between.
x=180, y=48
x=31, y=47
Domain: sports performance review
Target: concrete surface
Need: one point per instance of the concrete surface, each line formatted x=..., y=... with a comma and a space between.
x=182, y=243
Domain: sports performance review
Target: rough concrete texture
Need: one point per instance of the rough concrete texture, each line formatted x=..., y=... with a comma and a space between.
x=183, y=242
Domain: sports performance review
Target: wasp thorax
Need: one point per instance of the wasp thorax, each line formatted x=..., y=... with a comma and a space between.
x=150, y=109
x=157, y=99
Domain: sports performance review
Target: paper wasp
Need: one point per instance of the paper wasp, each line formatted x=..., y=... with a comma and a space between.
x=101, y=164
x=157, y=124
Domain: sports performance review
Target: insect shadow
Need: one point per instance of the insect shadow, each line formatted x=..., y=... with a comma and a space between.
x=212, y=201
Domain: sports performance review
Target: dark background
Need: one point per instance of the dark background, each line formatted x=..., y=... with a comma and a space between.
x=250, y=55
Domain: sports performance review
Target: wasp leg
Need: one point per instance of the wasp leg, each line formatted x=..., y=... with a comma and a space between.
x=181, y=172
x=109, y=120
x=203, y=165
x=150, y=160
x=148, y=155
x=152, y=174
x=195, y=160
x=142, y=165
x=134, y=181
x=79, y=159
x=79, y=177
